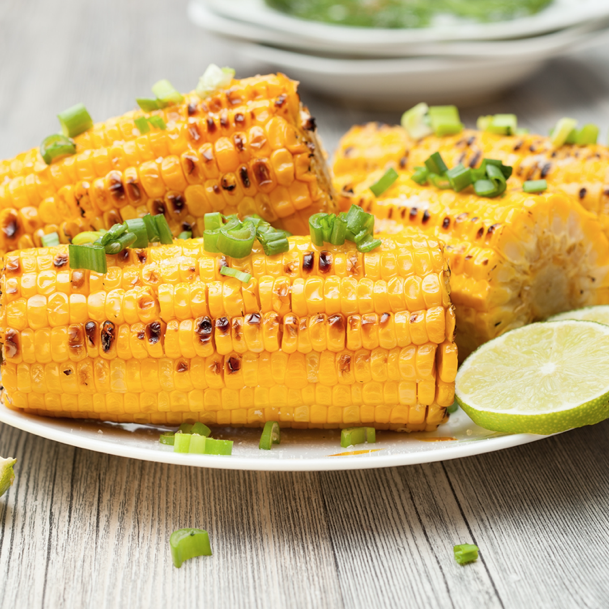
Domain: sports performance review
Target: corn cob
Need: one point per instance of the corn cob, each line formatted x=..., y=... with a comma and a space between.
x=251, y=148
x=514, y=260
x=317, y=338
x=581, y=172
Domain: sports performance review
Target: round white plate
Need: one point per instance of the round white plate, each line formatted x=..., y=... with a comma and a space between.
x=300, y=450
x=560, y=14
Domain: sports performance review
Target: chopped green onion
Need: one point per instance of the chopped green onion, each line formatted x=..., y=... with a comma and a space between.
x=278, y=246
x=465, y=553
x=368, y=244
x=210, y=241
x=213, y=220
x=587, y=135
x=197, y=444
x=339, y=231
x=440, y=181
x=420, y=175
x=158, y=122
x=50, y=240
x=452, y=408
x=357, y=219
x=562, y=131
x=181, y=442
x=189, y=543
x=218, y=447
x=316, y=229
x=237, y=242
x=415, y=122
x=116, y=230
x=485, y=188
x=201, y=429
x=137, y=226
x=148, y=105
x=151, y=229
x=124, y=241
x=7, y=475
x=271, y=434
x=167, y=438
x=535, y=186
x=214, y=78
x=185, y=234
x=254, y=219
x=445, y=120
x=231, y=272
x=506, y=170
x=166, y=93
x=89, y=256
x=460, y=177
x=495, y=174
x=501, y=124
x=357, y=435
x=142, y=124
x=165, y=234
x=521, y=131
x=186, y=428
x=483, y=122
x=88, y=236
x=389, y=177
x=75, y=120
x=56, y=147
x=435, y=164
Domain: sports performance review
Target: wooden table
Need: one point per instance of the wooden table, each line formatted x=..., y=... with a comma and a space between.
x=81, y=529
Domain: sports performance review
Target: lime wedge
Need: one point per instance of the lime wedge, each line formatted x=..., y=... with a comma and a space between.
x=7, y=475
x=599, y=314
x=543, y=378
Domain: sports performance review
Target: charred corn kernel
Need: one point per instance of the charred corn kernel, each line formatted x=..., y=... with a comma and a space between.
x=212, y=155
x=311, y=340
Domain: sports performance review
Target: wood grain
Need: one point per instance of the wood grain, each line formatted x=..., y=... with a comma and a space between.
x=80, y=529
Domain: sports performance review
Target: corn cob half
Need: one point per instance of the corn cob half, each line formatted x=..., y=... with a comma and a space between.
x=250, y=148
x=317, y=337
x=514, y=260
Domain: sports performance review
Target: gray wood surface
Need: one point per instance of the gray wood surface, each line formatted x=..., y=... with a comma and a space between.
x=81, y=529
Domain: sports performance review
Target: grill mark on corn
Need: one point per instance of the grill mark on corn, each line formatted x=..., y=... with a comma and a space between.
x=261, y=173
x=12, y=265
x=158, y=207
x=309, y=124
x=11, y=226
x=60, y=260
x=78, y=279
x=308, y=262
x=290, y=323
x=325, y=262
x=281, y=100
x=233, y=364
x=480, y=232
x=237, y=328
x=344, y=364
x=239, y=142
x=222, y=325
x=116, y=186
x=426, y=216
x=224, y=119
x=244, y=175
x=336, y=323
x=124, y=255
x=11, y=343
x=582, y=193
x=253, y=319
x=446, y=223
x=385, y=317
x=474, y=160
x=413, y=212
x=177, y=202
x=228, y=182
x=91, y=332
x=204, y=329
x=239, y=119
x=133, y=188
x=194, y=132
x=107, y=335
x=211, y=125
x=182, y=366
x=190, y=160
x=142, y=256
x=192, y=109
x=153, y=332
x=545, y=170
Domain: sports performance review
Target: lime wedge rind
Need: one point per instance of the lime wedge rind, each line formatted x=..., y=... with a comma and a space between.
x=598, y=313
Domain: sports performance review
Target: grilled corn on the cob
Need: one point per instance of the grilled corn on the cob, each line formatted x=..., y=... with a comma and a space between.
x=319, y=337
x=250, y=148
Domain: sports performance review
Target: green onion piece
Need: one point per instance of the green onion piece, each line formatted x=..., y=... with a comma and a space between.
x=587, y=135
x=485, y=188
x=440, y=181
x=213, y=220
x=88, y=236
x=435, y=164
x=165, y=234
x=271, y=434
x=137, y=226
x=210, y=241
x=501, y=124
x=50, y=240
x=416, y=122
x=316, y=229
x=116, y=230
x=142, y=124
x=157, y=122
x=151, y=229
x=339, y=231
x=218, y=447
x=562, y=131
x=188, y=543
x=181, y=443
x=368, y=244
x=237, y=242
x=7, y=475
x=185, y=234
x=89, y=256
x=167, y=438
x=506, y=170
x=166, y=93
x=452, y=408
x=357, y=219
x=214, y=78
x=420, y=175
x=445, y=120
x=201, y=429
x=379, y=187
x=186, y=428
x=124, y=241
x=255, y=220
x=357, y=435
x=278, y=246
x=496, y=176
x=460, y=177
x=535, y=186
x=521, y=131
x=56, y=147
x=483, y=122
x=465, y=553
x=75, y=120
x=231, y=272
x=197, y=444
x=148, y=105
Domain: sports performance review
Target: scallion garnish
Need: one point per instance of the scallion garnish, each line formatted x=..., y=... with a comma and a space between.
x=75, y=120
x=213, y=220
x=420, y=175
x=148, y=105
x=185, y=234
x=357, y=435
x=200, y=428
x=197, y=444
x=435, y=164
x=214, y=78
x=142, y=124
x=189, y=543
x=561, y=132
x=218, y=447
x=237, y=240
x=495, y=175
x=210, y=241
x=56, y=147
x=50, y=240
x=231, y=272
x=501, y=124
x=389, y=177
x=151, y=229
x=89, y=256
x=271, y=434
x=87, y=237
x=277, y=246
x=445, y=120
x=137, y=226
x=181, y=442
x=165, y=234
x=186, y=428
x=484, y=188
x=115, y=231
x=416, y=122
x=535, y=186
x=452, y=408
x=465, y=553
x=166, y=93
x=157, y=122
x=587, y=135
x=460, y=177
x=368, y=244
x=124, y=241
x=440, y=181
x=167, y=438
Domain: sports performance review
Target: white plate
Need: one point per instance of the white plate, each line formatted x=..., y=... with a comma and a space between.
x=551, y=43
x=300, y=450
x=560, y=14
